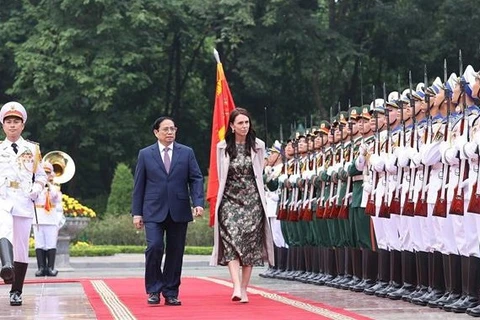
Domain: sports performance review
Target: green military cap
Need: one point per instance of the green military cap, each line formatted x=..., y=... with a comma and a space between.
x=365, y=112
x=300, y=132
x=334, y=121
x=324, y=127
x=354, y=113
x=312, y=131
x=343, y=117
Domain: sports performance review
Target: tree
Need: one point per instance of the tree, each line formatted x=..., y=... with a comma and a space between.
x=121, y=191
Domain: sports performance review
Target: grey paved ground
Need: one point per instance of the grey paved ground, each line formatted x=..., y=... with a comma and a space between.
x=66, y=300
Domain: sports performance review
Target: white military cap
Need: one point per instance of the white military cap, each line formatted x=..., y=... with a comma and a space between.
x=13, y=109
x=419, y=94
x=379, y=105
x=469, y=77
x=392, y=99
x=276, y=147
x=435, y=87
x=405, y=97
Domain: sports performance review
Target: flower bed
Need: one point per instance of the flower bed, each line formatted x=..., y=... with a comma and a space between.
x=74, y=209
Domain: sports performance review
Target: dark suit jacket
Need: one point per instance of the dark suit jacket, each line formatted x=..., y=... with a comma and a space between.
x=156, y=193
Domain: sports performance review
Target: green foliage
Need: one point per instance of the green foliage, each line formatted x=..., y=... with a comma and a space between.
x=113, y=230
x=106, y=250
x=199, y=233
x=119, y=230
x=121, y=191
x=94, y=75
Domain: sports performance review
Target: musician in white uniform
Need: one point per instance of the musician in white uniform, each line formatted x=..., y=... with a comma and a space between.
x=45, y=230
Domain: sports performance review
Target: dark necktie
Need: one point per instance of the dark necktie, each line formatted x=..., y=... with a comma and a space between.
x=15, y=147
x=166, y=159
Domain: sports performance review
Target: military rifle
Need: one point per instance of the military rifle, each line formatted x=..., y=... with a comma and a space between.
x=457, y=206
x=384, y=210
x=320, y=204
x=395, y=203
x=343, y=213
x=282, y=210
x=337, y=205
x=293, y=207
x=440, y=207
x=409, y=205
x=421, y=207
x=328, y=204
x=370, y=207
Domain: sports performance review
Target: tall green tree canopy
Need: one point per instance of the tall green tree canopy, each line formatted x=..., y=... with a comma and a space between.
x=95, y=74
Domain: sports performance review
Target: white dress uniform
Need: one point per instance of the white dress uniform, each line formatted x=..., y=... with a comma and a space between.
x=22, y=178
x=17, y=172
x=49, y=213
x=273, y=198
x=403, y=155
x=377, y=164
x=392, y=225
x=464, y=227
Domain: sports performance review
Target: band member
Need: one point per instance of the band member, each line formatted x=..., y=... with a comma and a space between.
x=45, y=229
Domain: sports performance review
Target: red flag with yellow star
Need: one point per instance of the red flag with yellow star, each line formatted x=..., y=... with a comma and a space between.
x=223, y=106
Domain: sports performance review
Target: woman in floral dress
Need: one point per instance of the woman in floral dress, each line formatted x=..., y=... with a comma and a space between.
x=242, y=235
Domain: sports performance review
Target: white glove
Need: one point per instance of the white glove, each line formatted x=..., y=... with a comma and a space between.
x=333, y=199
x=282, y=178
x=367, y=186
x=267, y=170
x=416, y=159
x=476, y=137
x=451, y=156
x=460, y=142
x=390, y=165
x=305, y=174
x=330, y=170
x=35, y=192
x=347, y=165
x=403, y=156
x=363, y=149
x=293, y=178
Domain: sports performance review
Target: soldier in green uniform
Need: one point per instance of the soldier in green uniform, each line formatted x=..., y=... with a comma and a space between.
x=353, y=264
x=341, y=231
x=361, y=223
x=319, y=225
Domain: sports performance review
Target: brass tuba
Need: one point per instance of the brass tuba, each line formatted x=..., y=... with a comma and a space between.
x=63, y=166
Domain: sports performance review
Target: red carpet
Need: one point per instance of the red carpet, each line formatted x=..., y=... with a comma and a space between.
x=202, y=298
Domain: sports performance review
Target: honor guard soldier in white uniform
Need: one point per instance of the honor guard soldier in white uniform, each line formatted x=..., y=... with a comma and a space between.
x=273, y=169
x=49, y=214
x=22, y=179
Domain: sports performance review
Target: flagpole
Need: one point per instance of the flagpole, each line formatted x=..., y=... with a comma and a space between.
x=266, y=126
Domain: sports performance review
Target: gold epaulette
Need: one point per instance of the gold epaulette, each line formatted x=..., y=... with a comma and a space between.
x=37, y=143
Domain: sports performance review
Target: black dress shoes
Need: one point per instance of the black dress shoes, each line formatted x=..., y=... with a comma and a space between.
x=15, y=298
x=172, y=301
x=153, y=298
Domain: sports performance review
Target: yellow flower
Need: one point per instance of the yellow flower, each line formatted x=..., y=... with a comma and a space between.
x=73, y=208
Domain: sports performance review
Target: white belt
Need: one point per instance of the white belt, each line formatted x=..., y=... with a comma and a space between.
x=357, y=178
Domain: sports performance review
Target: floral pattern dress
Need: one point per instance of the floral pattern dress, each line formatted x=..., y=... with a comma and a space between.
x=240, y=215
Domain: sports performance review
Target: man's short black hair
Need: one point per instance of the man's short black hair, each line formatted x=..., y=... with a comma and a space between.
x=157, y=122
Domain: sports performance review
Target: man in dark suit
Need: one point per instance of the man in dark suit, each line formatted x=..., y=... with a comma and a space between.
x=166, y=174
